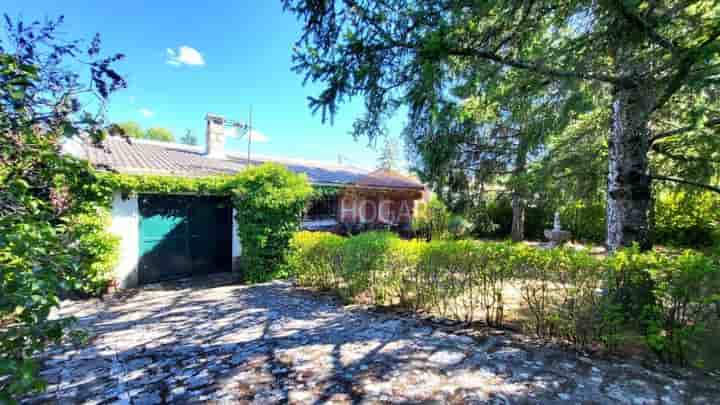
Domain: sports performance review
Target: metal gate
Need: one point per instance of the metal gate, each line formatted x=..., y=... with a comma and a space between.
x=183, y=236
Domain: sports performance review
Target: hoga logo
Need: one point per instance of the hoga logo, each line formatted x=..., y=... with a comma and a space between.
x=370, y=211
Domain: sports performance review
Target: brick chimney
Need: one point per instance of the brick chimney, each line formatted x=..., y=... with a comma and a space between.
x=215, y=136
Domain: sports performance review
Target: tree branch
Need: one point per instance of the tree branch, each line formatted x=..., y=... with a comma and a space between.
x=687, y=182
x=676, y=81
x=539, y=68
x=645, y=26
x=708, y=124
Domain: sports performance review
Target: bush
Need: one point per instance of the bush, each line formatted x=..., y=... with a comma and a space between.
x=269, y=201
x=319, y=255
x=568, y=294
x=431, y=220
x=459, y=227
x=684, y=219
x=687, y=290
x=95, y=250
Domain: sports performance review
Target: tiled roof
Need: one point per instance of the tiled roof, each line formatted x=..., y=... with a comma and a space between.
x=153, y=157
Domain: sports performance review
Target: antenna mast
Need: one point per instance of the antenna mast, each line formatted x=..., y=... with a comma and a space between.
x=249, y=134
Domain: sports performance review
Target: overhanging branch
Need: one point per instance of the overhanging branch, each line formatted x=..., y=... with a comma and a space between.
x=678, y=131
x=687, y=182
x=539, y=68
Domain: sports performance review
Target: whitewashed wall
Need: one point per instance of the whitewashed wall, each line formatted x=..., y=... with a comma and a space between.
x=236, y=245
x=126, y=225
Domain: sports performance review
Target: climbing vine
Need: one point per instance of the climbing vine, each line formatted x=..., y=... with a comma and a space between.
x=268, y=199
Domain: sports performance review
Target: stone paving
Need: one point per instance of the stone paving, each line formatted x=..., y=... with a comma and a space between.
x=273, y=343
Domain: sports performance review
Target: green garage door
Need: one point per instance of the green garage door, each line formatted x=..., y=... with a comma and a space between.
x=183, y=236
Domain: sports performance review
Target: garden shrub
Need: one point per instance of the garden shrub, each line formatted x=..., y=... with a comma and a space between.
x=431, y=219
x=319, y=255
x=269, y=201
x=443, y=273
x=687, y=291
x=459, y=227
x=629, y=284
x=96, y=250
x=364, y=265
x=686, y=219
x=669, y=302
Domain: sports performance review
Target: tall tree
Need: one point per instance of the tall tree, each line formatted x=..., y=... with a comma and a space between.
x=189, y=138
x=646, y=54
x=389, y=158
x=159, y=134
x=44, y=194
x=131, y=129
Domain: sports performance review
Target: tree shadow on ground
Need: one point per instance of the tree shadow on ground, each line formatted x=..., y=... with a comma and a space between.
x=272, y=343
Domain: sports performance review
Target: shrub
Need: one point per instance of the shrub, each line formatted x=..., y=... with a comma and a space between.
x=687, y=290
x=459, y=227
x=629, y=284
x=431, y=220
x=568, y=294
x=365, y=267
x=686, y=219
x=269, y=201
x=95, y=251
x=315, y=259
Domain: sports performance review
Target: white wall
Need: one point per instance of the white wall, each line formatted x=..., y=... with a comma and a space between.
x=126, y=225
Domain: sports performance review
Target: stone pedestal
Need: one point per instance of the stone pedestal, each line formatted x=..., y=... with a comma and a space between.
x=557, y=236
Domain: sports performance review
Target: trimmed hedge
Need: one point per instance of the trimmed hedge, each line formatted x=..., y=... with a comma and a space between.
x=568, y=294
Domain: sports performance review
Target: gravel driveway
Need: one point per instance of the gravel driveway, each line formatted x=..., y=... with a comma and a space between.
x=272, y=343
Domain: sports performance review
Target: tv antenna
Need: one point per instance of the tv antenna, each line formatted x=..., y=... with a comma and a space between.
x=241, y=129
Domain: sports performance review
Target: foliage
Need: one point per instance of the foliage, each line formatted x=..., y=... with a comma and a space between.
x=129, y=184
x=97, y=250
x=390, y=154
x=319, y=255
x=189, y=138
x=500, y=91
x=687, y=291
x=630, y=284
x=568, y=294
x=269, y=201
x=431, y=219
x=686, y=219
x=51, y=206
x=159, y=134
x=459, y=227
x=131, y=129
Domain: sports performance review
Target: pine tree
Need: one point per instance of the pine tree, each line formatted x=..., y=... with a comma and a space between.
x=649, y=57
x=390, y=154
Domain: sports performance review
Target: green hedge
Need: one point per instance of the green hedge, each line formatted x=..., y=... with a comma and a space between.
x=680, y=219
x=568, y=294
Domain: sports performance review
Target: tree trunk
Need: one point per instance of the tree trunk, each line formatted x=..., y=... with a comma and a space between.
x=628, y=179
x=517, y=230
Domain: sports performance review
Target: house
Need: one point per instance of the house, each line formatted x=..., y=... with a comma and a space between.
x=171, y=236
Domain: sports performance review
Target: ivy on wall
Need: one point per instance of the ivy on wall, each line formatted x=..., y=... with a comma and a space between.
x=268, y=199
x=130, y=184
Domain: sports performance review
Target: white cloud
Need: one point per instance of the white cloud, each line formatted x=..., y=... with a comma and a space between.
x=146, y=112
x=185, y=55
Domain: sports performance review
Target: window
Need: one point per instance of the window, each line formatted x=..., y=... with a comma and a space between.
x=322, y=208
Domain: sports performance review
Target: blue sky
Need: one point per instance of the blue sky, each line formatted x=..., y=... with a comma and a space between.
x=244, y=58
